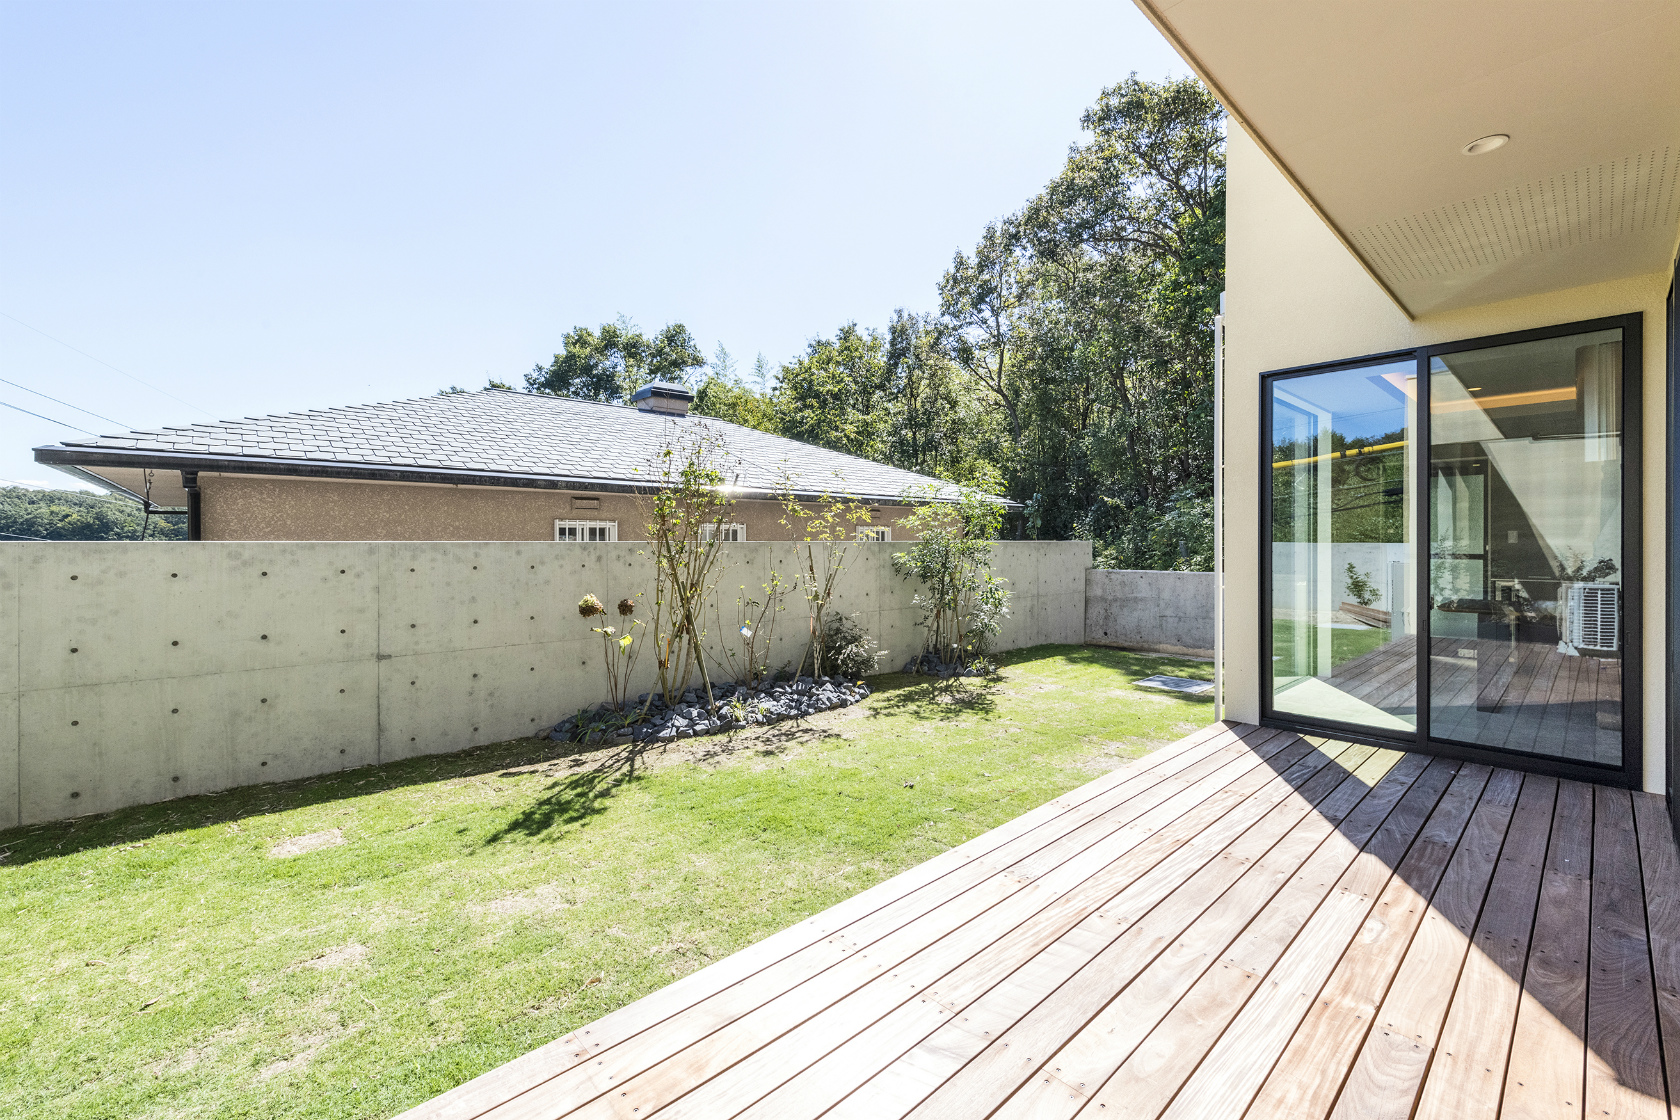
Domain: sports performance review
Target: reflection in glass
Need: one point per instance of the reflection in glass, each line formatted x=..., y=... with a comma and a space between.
x=1525, y=557
x=1344, y=643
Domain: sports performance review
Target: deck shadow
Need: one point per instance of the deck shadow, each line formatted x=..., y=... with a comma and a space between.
x=1543, y=883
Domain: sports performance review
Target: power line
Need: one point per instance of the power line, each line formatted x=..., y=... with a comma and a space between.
x=108, y=365
x=67, y=404
x=48, y=419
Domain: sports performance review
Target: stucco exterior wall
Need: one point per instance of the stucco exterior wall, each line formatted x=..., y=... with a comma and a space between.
x=238, y=507
x=133, y=673
x=1295, y=296
x=1166, y=612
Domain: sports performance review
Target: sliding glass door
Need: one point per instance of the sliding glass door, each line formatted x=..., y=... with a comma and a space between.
x=1486, y=481
x=1344, y=629
x=1525, y=549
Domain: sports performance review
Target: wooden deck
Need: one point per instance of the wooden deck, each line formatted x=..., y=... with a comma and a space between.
x=1245, y=923
x=1530, y=698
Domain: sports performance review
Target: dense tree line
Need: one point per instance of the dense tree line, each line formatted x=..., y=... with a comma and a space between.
x=73, y=515
x=1069, y=362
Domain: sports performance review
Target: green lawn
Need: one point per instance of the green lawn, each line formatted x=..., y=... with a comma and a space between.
x=1345, y=645
x=160, y=962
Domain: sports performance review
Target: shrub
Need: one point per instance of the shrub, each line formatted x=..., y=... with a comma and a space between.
x=962, y=602
x=1359, y=585
x=848, y=650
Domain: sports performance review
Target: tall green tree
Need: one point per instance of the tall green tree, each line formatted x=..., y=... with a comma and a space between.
x=610, y=363
x=936, y=423
x=833, y=394
x=74, y=515
x=985, y=301
x=736, y=403
x=1086, y=316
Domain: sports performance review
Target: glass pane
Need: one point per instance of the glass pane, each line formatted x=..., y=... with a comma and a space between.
x=1344, y=631
x=1525, y=547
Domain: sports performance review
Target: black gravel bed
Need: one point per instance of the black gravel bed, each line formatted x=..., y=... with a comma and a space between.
x=736, y=706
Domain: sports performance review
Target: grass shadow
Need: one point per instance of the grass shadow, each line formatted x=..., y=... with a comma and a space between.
x=575, y=797
x=1134, y=664
x=52, y=839
x=932, y=698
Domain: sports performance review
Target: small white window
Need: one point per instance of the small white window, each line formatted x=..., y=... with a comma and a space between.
x=874, y=533
x=728, y=533
x=585, y=530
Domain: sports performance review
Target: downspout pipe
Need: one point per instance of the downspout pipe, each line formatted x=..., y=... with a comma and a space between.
x=1219, y=511
x=195, y=515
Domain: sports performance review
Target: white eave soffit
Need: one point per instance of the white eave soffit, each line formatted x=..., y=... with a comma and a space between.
x=1367, y=107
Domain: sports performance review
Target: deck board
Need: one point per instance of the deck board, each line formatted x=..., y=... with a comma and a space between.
x=1624, y=1059
x=1389, y=1073
x=957, y=1004
x=1248, y=923
x=1467, y=1077
x=1309, y=1075
x=1548, y=1047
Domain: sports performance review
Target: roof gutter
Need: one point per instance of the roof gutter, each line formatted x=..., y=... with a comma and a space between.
x=62, y=457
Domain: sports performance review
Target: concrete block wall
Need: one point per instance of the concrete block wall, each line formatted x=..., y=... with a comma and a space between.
x=1165, y=612
x=134, y=673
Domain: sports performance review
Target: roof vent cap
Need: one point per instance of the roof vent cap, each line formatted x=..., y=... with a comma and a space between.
x=670, y=397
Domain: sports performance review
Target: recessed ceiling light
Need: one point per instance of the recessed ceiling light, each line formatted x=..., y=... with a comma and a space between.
x=1486, y=144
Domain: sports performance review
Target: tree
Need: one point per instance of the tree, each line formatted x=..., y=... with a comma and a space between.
x=832, y=396
x=1084, y=320
x=935, y=423
x=723, y=366
x=961, y=601
x=686, y=489
x=612, y=363
x=984, y=302
x=74, y=515
x=490, y=383
x=735, y=403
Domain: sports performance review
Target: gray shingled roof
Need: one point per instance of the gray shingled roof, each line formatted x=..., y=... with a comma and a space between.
x=496, y=432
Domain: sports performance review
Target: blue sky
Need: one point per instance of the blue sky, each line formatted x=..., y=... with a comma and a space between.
x=264, y=207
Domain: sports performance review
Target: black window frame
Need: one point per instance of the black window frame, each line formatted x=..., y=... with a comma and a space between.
x=1630, y=774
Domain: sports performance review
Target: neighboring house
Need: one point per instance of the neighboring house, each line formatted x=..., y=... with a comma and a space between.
x=494, y=465
x=1448, y=410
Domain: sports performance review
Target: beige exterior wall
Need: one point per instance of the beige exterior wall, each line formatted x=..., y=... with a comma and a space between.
x=132, y=673
x=1295, y=296
x=241, y=507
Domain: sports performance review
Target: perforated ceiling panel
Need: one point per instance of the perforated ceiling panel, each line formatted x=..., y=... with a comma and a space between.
x=1636, y=194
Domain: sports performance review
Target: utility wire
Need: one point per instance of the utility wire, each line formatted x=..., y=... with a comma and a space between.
x=67, y=404
x=48, y=419
x=108, y=365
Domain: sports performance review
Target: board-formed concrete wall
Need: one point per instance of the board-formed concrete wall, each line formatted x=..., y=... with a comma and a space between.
x=133, y=673
x=1167, y=612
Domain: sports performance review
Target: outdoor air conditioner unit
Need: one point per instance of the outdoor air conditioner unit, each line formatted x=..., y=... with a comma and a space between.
x=1593, y=616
